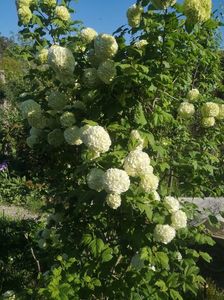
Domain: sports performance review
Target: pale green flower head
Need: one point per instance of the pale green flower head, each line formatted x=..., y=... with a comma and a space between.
x=25, y=14
x=43, y=56
x=88, y=35
x=134, y=15
x=197, y=10
x=62, y=13
x=208, y=122
x=67, y=119
x=28, y=107
x=72, y=136
x=37, y=119
x=210, y=109
x=105, y=46
x=57, y=101
x=186, y=110
x=61, y=60
x=107, y=71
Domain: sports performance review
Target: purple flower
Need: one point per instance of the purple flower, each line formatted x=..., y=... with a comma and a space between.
x=3, y=166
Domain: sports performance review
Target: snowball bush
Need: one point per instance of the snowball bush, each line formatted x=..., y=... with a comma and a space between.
x=96, y=138
x=116, y=181
x=164, y=234
x=137, y=163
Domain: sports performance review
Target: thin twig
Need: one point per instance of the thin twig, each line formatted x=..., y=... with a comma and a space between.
x=33, y=254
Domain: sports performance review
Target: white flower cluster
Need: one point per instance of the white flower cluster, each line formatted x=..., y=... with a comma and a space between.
x=105, y=46
x=113, y=181
x=95, y=179
x=29, y=106
x=43, y=56
x=61, y=60
x=116, y=181
x=67, y=119
x=209, y=112
x=172, y=204
x=197, y=11
x=62, y=13
x=140, y=44
x=24, y=12
x=96, y=139
x=179, y=219
x=134, y=15
x=221, y=112
x=186, y=110
x=34, y=137
x=193, y=95
x=164, y=233
x=113, y=200
x=88, y=35
x=57, y=101
x=137, y=163
x=107, y=71
x=72, y=136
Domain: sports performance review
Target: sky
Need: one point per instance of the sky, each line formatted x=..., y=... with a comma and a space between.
x=102, y=15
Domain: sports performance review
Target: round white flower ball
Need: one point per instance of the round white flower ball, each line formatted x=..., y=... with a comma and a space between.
x=193, y=95
x=137, y=163
x=57, y=101
x=32, y=140
x=67, y=119
x=221, y=112
x=179, y=219
x=134, y=15
x=25, y=14
x=136, y=137
x=116, y=181
x=62, y=13
x=113, y=200
x=105, y=46
x=208, y=122
x=107, y=71
x=43, y=56
x=88, y=35
x=61, y=60
x=72, y=136
x=37, y=119
x=172, y=204
x=186, y=110
x=149, y=183
x=28, y=107
x=140, y=44
x=95, y=179
x=96, y=138
x=164, y=233
x=210, y=109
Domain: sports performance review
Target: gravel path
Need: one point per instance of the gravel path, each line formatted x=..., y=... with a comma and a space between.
x=16, y=212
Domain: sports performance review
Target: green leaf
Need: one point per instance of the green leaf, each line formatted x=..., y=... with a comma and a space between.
x=205, y=256
x=139, y=116
x=162, y=259
x=175, y=295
